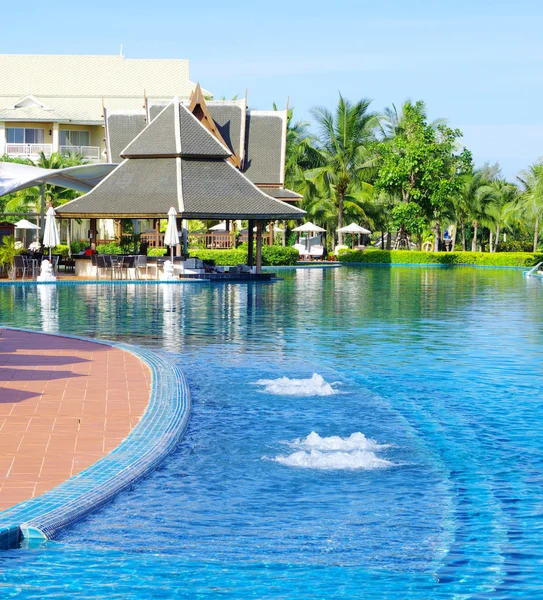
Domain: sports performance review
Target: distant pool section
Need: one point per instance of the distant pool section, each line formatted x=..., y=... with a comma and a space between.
x=157, y=435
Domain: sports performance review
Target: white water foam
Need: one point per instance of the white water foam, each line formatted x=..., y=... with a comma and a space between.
x=335, y=453
x=315, y=386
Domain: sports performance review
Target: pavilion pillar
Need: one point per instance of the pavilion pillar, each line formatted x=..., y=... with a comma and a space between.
x=42, y=209
x=259, y=246
x=185, y=225
x=92, y=234
x=250, y=239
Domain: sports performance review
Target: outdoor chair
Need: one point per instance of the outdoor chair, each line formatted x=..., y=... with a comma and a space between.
x=141, y=264
x=127, y=263
x=103, y=264
x=54, y=262
x=19, y=265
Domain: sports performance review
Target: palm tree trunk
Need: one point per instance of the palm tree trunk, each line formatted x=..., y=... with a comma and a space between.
x=340, y=217
x=453, y=240
x=536, y=233
x=437, y=236
x=474, y=240
x=497, y=238
x=463, y=226
x=382, y=240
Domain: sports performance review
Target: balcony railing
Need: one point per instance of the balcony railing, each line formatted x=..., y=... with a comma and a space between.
x=27, y=150
x=90, y=152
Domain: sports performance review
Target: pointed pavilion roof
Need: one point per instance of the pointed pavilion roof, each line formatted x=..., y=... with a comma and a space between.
x=176, y=161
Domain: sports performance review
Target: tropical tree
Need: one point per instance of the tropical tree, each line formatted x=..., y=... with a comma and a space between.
x=344, y=153
x=421, y=163
x=532, y=195
x=503, y=209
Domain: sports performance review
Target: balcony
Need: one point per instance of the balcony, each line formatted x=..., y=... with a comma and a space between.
x=91, y=153
x=29, y=150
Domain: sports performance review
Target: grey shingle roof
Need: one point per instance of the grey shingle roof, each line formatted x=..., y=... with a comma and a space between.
x=265, y=138
x=280, y=193
x=229, y=118
x=121, y=130
x=157, y=139
x=147, y=187
x=176, y=161
x=156, y=108
x=216, y=188
x=196, y=140
x=136, y=187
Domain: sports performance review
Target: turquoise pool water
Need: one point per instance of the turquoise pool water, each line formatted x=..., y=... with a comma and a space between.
x=410, y=465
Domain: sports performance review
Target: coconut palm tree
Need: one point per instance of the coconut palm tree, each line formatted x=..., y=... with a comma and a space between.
x=343, y=151
x=532, y=195
x=503, y=209
x=472, y=204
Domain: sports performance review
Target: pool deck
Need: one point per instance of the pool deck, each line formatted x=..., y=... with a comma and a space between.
x=64, y=404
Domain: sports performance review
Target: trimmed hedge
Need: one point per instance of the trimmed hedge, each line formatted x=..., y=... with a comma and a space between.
x=406, y=257
x=271, y=256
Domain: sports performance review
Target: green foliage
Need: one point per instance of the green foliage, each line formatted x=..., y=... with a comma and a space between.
x=409, y=216
x=279, y=256
x=62, y=250
x=111, y=248
x=78, y=247
x=156, y=252
x=515, y=246
x=8, y=251
x=271, y=256
x=420, y=162
x=222, y=258
x=399, y=257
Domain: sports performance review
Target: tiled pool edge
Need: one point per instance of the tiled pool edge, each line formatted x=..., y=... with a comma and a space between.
x=157, y=434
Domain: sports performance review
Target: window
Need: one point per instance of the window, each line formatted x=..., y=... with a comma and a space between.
x=20, y=135
x=74, y=138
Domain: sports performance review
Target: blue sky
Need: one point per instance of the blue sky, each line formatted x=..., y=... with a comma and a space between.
x=478, y=64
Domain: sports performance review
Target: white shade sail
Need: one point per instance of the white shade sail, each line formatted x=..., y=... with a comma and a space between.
x=309, y=228
x=172, y=235
x=50, y=233
x=353, y=228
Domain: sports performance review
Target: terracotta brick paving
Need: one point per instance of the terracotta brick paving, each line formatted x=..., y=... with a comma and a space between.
x=64, y=404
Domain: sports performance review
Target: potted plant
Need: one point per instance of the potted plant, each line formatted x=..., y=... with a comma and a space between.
x=8, y=251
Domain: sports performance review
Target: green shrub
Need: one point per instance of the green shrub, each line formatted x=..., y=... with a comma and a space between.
x=61, y=249
x=78, y=247
x=156, y=252
x=271, y=256
x=111, y=248
x=399, y=257
x=222, y=258
x=276, y=256
x=515, y=246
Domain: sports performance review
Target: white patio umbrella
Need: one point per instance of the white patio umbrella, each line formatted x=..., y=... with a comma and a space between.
x=219, y=227
x=309, y=228
x=171, y=238
x=24, y=224
x=50, y=232
x=354, y=228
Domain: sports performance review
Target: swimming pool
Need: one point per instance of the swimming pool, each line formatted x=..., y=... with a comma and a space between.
x=431, y=382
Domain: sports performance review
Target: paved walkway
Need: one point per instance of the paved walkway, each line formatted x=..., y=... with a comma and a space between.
x=64, y=404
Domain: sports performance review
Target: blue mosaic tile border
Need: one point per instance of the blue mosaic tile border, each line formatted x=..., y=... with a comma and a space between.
x=157, y=435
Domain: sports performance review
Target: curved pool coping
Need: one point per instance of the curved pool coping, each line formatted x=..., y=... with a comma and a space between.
x=157, y=435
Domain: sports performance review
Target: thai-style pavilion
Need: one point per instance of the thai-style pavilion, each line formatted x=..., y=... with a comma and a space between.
x=229, y=165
